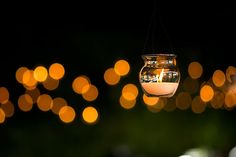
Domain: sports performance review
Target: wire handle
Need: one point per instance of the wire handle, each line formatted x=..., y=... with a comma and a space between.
x=151, y=30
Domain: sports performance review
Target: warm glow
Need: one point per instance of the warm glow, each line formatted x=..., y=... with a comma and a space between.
x=164, y=89
x=159, y=73
x=4, y=95
x=190, y=85
x=44, y=102
x=150, y=101
x=183, y=100
x=8, y=109
x=58, y=103
x=50, y=83
x=67, y=114
x=230, y=99
x=34, y=94
x=198, y=106
x=19, y=74
x=2, y=116
x=159, y=106
x=231, y=70
x=122, y=67
x=218, y=100
x=91, y=94
x=161, y=103
x=127, y=104
x=25, y=102
x=56, y=71
x=40, y=73
x=111, y=77
x=28, y=78
x=90, y=115
x=161, y=76
x=206, y=93
x=195, y=70
x=130, y=92
x=30, y=87
x=218, y=78
x=81, y=84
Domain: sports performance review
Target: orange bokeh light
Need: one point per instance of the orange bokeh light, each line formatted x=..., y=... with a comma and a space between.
x=218, y=78
x=40, y=73
x=19, y=74
x=206, y=93
x=195, y=70
x=159, y=106
x=28, y=78
x=230, y=99
x=127, y=104
x=25, y=102
x=81, y=84
x=198, y=106
x=130, y=92
x=111, y=77
x=183, y=100
x=57, y=104
x=122, y=67
x=8, y=109
x=4, y=95
x=67, y=114
x=50, y=83
x=91, y=94
x=218, y=100
x=150, y=101
x=90, y=115
x=56, y=71
x=170, y=105
x=2, y=116
x=44, y=102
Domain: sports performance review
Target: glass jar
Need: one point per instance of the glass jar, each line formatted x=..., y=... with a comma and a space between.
x=160, y=75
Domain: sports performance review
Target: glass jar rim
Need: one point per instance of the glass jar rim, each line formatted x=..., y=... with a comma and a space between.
x=154, y=57
x=159, y=54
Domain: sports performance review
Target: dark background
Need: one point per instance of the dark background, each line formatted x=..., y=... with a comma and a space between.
x=87, y=38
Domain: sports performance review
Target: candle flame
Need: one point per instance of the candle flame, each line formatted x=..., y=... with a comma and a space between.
x=161, y=76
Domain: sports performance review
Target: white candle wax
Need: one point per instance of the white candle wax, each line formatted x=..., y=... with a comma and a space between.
x=159, y=89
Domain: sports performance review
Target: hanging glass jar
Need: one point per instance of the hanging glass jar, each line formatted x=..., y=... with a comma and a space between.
x=160, y=75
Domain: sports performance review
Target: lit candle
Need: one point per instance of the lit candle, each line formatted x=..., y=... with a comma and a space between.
x=160, y=89
x=160, y=75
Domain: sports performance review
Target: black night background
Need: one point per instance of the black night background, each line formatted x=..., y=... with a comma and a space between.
x=89, y=37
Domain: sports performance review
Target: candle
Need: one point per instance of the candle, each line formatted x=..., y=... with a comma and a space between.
x=160, y=89
x=160, y=75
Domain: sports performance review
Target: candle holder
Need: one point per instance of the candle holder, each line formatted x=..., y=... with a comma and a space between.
x=160, y=75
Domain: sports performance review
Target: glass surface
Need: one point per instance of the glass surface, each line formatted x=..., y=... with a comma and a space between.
x=160, y=75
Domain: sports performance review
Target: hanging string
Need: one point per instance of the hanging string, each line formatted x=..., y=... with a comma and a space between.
x=152, y=29
x=164, y=29
x=154, y=24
